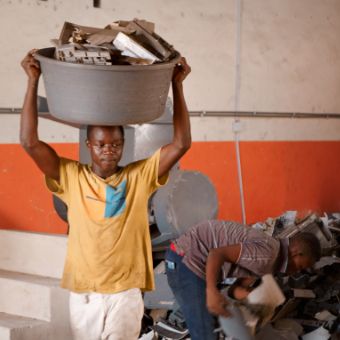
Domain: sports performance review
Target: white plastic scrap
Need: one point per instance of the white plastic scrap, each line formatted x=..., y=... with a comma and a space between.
x=132, y=49
x=325, y=315
x=318, y=334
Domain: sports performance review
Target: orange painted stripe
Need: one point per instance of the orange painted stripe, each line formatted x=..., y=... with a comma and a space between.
x=278, y=176
x=25, y=202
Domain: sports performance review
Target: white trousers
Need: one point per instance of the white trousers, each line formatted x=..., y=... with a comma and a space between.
x=96, y=316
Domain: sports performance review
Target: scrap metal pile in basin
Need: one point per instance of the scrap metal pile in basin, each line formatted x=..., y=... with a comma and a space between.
x=119, y=43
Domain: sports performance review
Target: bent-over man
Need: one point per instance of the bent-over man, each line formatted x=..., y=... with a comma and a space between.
x=214, y=250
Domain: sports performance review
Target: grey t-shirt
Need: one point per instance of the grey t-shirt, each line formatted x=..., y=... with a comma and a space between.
x=259, y=252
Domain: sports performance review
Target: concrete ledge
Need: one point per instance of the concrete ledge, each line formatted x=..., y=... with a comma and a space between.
x=13, y=327
x=26, y=295
x=32, y=253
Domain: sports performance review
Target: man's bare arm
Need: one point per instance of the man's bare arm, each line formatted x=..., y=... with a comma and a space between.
x=43, y=155
x=171, y=153
x=216, y=302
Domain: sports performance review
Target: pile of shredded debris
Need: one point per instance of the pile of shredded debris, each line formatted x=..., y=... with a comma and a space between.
x=312, y=298
x=119, y=43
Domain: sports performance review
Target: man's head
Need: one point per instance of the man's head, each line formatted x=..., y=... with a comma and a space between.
x=304, y=251
x=105, y=144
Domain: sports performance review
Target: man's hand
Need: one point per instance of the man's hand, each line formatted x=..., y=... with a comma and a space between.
x=31, y=66
x=217, y=303
x=182, y=69
x=240, y=293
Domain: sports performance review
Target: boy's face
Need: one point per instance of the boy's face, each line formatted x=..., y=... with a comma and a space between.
x=297, y=261
x=300, y=262
x=106, y=148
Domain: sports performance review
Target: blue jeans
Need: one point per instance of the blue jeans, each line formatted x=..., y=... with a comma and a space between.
x=190, y=293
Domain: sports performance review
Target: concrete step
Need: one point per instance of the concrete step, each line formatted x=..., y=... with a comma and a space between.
x=27, y=295
x=32, y=253
x=13, y=327
x=35, y=297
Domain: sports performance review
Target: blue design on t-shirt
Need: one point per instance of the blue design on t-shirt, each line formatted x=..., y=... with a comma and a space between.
x=115, y=200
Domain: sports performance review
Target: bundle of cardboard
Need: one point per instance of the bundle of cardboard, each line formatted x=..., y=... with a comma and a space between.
x=120, y=43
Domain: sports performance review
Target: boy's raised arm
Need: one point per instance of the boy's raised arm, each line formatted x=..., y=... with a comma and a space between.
x=43, y=155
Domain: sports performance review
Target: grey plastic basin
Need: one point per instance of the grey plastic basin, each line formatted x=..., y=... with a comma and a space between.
x=105, y=95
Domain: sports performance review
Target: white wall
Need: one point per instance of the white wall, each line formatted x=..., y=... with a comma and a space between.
x=289, y=50
x=203, y=129
x=290, y=56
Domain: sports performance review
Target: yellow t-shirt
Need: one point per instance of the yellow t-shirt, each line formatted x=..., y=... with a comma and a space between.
x=109, y=246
